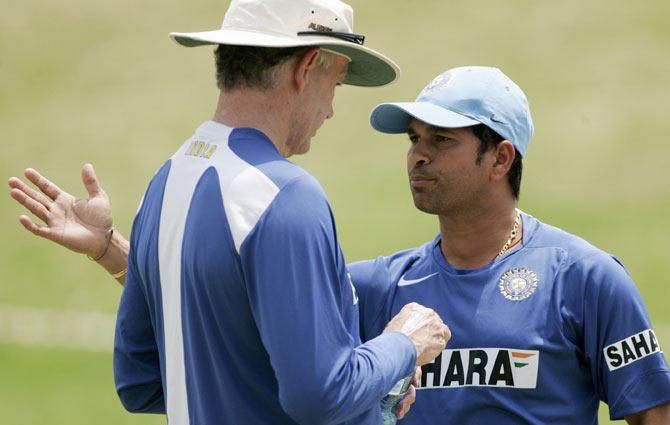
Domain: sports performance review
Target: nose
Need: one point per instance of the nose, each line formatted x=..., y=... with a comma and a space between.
x=331, y=112
x=418, y=155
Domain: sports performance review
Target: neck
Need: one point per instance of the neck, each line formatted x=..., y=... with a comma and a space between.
x=268, y=111
x=474, y=238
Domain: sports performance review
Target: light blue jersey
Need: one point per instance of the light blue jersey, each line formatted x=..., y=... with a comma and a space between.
x=237, y=307
x=539, y=335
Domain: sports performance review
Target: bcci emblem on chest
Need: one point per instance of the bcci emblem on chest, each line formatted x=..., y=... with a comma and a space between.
x=518, y=284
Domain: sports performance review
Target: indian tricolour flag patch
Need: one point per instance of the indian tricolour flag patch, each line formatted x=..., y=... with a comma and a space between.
x=482, y=367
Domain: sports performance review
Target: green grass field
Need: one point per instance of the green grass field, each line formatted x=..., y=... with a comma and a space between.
x=100, y=82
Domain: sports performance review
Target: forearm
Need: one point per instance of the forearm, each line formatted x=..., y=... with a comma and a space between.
x=115, y=259
x=347, y=386
x=137, y=372
x=659, y=415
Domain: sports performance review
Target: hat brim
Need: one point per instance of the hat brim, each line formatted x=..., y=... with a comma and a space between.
x=394, y=118
x=367, y=68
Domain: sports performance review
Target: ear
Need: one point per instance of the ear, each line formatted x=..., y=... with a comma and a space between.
x=504, y=157
x=302, y=70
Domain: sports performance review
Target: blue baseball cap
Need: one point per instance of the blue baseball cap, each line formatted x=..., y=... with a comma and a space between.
x=463, y=97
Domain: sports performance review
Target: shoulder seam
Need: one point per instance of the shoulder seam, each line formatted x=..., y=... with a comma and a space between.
x=591, y=252
x=290, y=182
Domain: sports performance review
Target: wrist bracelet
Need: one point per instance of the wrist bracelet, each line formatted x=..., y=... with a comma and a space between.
x=109, y=239
x=120, y=274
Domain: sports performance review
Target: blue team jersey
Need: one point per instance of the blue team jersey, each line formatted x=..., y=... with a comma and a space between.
x=237, y=307
x=539, y=335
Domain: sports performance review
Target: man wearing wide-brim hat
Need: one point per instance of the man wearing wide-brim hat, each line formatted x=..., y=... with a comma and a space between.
x=237, y=307
x=235, y=272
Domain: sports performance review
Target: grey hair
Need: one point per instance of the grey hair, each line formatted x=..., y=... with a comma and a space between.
x=257, y=67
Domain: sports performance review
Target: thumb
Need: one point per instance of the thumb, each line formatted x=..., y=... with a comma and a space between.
x=90, y=181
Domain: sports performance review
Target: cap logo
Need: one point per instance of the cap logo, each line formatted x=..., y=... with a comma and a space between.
x=495, y=118
x=439, y=82
x=320, y=28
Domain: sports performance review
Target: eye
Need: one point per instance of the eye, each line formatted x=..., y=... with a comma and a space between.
x=441, y=138
x=413, y=138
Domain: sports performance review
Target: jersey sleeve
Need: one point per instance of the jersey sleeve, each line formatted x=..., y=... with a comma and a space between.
x=374, y=287
x=628, y=368
x=294, y=269
x=136, y=359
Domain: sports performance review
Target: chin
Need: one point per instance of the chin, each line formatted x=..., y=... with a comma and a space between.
x=303, y=149
x=424, y=205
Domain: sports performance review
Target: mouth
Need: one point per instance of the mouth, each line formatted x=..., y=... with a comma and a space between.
x=418, y=181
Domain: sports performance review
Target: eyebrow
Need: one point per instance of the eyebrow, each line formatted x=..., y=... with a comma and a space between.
x=410, y=127
x=449, y=132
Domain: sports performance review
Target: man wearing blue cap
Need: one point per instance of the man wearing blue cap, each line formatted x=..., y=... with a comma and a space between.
x=544, y=324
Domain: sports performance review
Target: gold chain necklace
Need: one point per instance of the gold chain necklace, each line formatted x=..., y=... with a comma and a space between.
x=512, y=235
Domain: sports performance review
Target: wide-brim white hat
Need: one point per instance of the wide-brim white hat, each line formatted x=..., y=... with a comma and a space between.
x=327, y=24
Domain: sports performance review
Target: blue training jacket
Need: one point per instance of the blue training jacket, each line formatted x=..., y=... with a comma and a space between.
x=238, y=308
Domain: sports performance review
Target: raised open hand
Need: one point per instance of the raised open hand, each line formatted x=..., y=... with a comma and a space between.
x=82, y=225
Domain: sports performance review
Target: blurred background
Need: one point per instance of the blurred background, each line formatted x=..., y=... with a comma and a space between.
x=100, y=82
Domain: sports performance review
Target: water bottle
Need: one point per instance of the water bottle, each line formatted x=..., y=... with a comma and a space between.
x=393, y=398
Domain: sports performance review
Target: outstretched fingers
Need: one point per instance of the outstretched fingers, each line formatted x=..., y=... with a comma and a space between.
x=18, y=184
x=44, y=184
x=34, y=228
x=31, y=204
